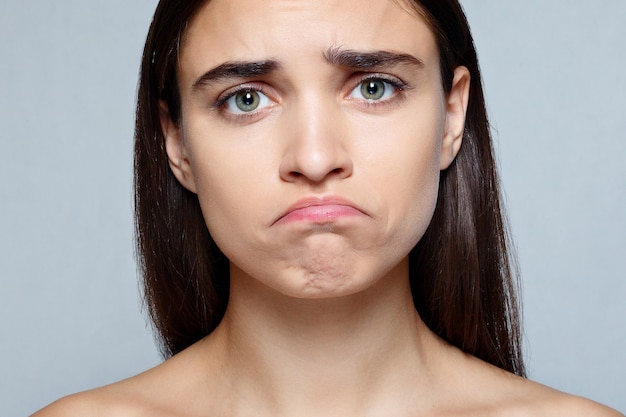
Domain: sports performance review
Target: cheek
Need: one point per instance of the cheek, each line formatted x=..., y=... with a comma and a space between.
x=405, y=171
x=227, y=207
x=412, y=193
x=229, y=191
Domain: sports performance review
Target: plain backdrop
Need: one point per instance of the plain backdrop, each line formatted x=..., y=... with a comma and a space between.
x=70, y=312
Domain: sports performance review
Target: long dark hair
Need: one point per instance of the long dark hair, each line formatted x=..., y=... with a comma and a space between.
x=461, y=271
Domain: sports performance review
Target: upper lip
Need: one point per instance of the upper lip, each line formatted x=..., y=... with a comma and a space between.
x=318, y=201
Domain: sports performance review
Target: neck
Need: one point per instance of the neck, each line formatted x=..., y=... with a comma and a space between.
x=295, y=354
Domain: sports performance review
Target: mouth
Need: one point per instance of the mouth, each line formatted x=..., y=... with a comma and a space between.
x=319, y=210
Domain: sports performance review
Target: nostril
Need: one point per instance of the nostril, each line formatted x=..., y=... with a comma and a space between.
x=315, y=165
x=341, y=172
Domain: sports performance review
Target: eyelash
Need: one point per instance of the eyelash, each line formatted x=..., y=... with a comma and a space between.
x=222, y=100
x=399, y=86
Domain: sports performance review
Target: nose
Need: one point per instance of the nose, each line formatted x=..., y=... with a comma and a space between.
x=316, y=145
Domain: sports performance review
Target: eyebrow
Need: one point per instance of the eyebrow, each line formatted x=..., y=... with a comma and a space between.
x=346, y=58
x=370, y=60
x=236, y=69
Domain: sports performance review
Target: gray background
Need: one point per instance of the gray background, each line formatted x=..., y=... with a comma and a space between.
x=70, y=314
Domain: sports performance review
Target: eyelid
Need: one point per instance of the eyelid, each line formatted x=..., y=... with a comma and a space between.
x=395, y=82
x=229, y=93
x=223, y=98
x=355, y=81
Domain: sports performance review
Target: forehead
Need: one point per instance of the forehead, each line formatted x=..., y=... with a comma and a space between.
x=230, y=30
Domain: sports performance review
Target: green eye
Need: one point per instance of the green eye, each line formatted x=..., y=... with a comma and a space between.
x=373, y=89
x=247, y=101
x=244, y=101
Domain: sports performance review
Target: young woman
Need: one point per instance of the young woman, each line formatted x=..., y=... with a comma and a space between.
x=318, y=219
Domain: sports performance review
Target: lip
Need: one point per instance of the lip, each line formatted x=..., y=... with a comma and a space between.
x=319, y=210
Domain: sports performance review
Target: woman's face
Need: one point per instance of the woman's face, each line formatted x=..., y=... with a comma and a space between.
x=313, y=133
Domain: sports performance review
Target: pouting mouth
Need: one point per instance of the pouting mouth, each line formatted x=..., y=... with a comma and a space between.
x=319, y=209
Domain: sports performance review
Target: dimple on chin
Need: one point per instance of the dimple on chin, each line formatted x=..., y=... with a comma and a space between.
x=323, y=266
x=327, y=267
x=319, y=267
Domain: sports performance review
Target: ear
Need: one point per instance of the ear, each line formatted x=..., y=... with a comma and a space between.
x=456, y=108
x=175, y=148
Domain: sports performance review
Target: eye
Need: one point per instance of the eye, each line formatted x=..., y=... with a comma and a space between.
x=246, y=101
x=374, y=89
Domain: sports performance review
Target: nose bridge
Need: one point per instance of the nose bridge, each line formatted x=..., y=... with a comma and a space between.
x=316, y=145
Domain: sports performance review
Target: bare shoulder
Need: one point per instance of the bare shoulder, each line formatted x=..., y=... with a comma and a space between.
x=143, y=395
x=165, y=390
x=529, y=398
x=577, y=406
x=501, y=393
x=556, y=403
x=94, y=403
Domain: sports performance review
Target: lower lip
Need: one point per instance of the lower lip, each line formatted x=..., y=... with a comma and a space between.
x=320, y=214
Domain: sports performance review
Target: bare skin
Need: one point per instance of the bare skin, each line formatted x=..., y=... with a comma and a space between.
x=320, y=320
x=339, y=363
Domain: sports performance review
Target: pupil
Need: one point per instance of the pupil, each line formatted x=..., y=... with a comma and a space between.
x=372, y=88
x=248, y=99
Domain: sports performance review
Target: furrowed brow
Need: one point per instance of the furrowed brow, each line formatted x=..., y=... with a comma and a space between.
x=236, y=69
x=370, y=60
